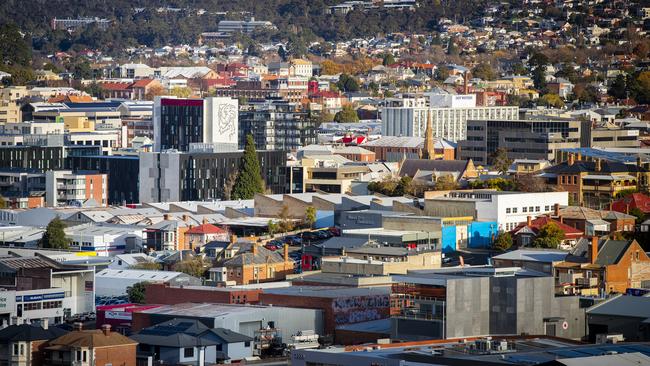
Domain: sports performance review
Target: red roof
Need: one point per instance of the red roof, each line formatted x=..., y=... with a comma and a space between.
x=115, y=86
x=635, y=200
x=206, y=229
x=536, y=224
x=141, y=83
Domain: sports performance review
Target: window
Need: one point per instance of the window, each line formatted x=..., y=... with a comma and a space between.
x=219, y=347
x=536, y=208
x=15, y=349
x=547, y=208
x=514, y=210
x=524, y=209
x=530, y=209
x=188, y=352
x=508, y=210
x=247, y=344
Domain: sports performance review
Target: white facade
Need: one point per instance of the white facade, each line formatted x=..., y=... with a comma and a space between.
x=451, y=100
x=105, y=240
x=447, y=123
x=111, y=282
x=222, y=121
x=512, y=209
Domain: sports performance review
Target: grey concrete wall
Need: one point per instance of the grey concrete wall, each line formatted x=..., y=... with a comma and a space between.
x=449, y=208
x=468, y=307
x=503, y=305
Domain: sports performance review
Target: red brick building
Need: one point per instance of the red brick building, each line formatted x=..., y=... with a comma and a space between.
x=168, y=295
x=91, y=347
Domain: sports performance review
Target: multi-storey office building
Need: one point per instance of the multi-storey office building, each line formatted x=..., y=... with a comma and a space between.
x=448, y=120
x=121, y=190
x=201, y=176
x=523, y=139
x=177, y=123
x=277, y=124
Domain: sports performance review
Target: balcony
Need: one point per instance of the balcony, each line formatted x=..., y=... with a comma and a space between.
x=587, y=282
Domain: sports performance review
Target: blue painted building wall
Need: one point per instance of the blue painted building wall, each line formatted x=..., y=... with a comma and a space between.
x=482, y=234
x=448, y=239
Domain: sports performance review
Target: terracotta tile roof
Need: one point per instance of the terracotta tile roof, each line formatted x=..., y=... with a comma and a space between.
x=115, y=86
x=206, y=229
x=142, y=83
x=92, y=339
x=538, y=223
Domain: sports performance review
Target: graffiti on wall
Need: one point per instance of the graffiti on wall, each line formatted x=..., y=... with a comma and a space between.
x=360, y=308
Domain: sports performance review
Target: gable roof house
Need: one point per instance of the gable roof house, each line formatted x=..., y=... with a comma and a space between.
x=185, y=341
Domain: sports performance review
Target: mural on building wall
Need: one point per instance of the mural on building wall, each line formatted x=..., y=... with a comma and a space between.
x=360, y=308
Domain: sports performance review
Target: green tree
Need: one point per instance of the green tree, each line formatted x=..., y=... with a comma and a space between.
x=503, y=241
x=136, y=292
x=641, y=88
x=388, y=59
x=14, y=48
x=194, y=266
x=54, y=236
x=636, y=212
x=347, y=83
x=347, y=114
x=500, y=161
x=285, y=224
x=310, y=216
x=273, y=227
x=618, y=88
x=446, y=183
x=404, y=186
x=484, y=71
x=551, y=100
x=249, y=181
x=549, y=236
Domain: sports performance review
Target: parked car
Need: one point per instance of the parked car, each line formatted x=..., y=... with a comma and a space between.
x=293, y=240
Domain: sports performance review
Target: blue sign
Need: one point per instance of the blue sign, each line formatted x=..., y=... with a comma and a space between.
x=19, y=299
x=39, y=297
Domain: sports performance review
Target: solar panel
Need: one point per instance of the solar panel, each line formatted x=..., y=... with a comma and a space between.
x=567, y=353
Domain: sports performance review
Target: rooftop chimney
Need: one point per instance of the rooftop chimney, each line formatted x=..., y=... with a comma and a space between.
x=286, y=252
x=254, y=249
x=233, y=239
x=106, y=329
x=556, y=210
x=598, y=165
x=186, y=218
x=529, y=221
x=166, y=217
x=205, y=220
x=45, y=323
x=594, y=249
x=572, y=159
x=78, y=326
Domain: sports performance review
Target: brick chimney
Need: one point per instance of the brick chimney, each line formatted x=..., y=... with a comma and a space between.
x=233, y=239
x=286, y=252
x=106, y=329
x=166, y=217
x=593, y=249
x=572, y=159
x=204, y=221
x=78, y=326
x=186, y=218
x=556, y=210
x=254, y=248
x=529, y=221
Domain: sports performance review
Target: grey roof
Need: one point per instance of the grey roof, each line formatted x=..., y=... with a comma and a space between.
x=246, y=256
x=411, y=166
x=533, y=255
x=343, y=242
x=630, y=306
x=185, y=333
x=612, y=251
x=28, y=333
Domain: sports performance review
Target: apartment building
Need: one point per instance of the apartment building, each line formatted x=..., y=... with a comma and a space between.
x=277, y=124
x=64, y=188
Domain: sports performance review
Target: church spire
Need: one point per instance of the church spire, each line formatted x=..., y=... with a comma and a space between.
x=429, y=152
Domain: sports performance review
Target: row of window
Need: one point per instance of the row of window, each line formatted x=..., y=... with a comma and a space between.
x=527, y=209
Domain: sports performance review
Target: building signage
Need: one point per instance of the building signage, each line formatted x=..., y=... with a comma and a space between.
x=40, y=297
x=118, y=315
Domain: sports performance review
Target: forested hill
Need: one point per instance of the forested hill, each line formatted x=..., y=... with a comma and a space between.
x=147, y=22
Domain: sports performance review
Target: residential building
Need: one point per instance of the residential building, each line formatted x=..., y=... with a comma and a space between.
x=201, y=175
x=179, y=341
x=633, y=201
x=301, y=67
x=91, y=347
x=115, y=168
x=429, y=171
x=253, y=263
x=24, y=344
x=448, y=117
x=65, y=188
x=607, y=136
x=524, y=234
x=596, y=222
x=595, y=183
x=522, y=139
x=39, y=155
x=178, y=123
x=198, y=236
x=277, y=124
x=325, y=173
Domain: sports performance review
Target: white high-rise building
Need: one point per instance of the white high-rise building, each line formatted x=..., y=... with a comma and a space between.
x=449, y=115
